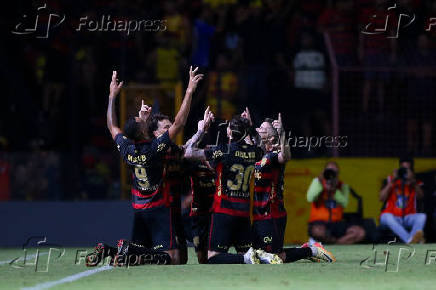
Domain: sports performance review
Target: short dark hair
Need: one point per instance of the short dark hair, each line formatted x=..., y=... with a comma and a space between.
x=239, y=127
x=132, y=129
x=153, y=121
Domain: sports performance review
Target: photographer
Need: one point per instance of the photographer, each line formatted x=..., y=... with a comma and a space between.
x=329, y=197
x=399, y=194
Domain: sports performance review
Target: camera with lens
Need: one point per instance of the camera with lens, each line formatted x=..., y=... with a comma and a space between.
x=402, y=173
x=329, y=174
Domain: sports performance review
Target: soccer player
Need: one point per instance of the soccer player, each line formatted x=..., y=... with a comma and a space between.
x=153, y=225
x=175, y=180
x=230, y=220
x=269, y=213
x=202, y=177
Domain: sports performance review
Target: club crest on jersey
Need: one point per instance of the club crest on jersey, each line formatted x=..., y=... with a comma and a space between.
x=161, y=147
x=217, y=154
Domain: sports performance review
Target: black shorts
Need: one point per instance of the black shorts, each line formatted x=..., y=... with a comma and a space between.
x=269, y=235
x=334, y=229
x=200, y=231
x=154, y=228
x=227, y=231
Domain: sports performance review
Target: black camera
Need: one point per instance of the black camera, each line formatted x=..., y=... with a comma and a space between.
x=329, y=174
x=402, y=173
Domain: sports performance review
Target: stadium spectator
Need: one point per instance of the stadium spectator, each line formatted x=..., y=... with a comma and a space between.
x=310, y=80
x=376, y=50
x=329, y=197
x=165, y=60
x=420, y=87
x=399, y=193
x=222, y=89
x=339, y=23
x=203, y=32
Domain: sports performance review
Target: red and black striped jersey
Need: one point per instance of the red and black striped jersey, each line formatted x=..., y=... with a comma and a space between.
x=176, y=176
x=203, y=188
x=145, y=159
x=234, y=165
x=268, y=188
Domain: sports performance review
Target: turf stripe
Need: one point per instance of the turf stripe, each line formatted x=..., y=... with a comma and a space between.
x=22, y=258
x=68, y=279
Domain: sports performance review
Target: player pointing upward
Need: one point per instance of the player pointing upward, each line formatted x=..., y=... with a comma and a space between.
x=230, y=220
x=144, y=154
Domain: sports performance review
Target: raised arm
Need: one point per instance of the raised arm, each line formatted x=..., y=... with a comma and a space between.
x=386, y=189
x=144, y=112
x=182, y=114
x=285, y=149
x=114, y=90
x=253, y=137
x=203, y=126
x=191, y=150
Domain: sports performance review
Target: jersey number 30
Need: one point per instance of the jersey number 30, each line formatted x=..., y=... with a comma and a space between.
x=242, y=177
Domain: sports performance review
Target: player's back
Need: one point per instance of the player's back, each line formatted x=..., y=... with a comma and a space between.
x=203, y=187
x=145, y=159
x=234, y=164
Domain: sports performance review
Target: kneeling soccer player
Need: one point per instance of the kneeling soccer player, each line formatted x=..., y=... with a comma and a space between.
x=153, y=226
x=230, y=219
x=269, y=213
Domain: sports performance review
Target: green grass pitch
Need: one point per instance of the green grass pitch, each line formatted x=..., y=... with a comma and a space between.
x=347, y=273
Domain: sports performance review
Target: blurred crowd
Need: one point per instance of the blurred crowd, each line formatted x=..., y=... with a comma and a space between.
x=270, y=55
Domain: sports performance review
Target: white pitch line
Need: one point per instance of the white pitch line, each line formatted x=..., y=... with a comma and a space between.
x=22, y=258
x=68, y=279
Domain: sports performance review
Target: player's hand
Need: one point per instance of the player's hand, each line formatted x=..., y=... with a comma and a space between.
x=145, y=111
x=193, y=80
x=410, y=176
x=208, y=118
x=278, y=124
x=115, y=86
x=246, y=115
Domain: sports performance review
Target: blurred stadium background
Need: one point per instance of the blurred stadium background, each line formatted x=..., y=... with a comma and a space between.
x=60, y=174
